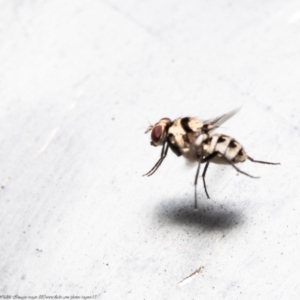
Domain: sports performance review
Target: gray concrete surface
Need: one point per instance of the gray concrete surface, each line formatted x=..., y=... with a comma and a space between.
x=80, y=81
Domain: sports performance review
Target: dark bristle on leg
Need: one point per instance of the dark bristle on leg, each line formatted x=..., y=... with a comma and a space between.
x=262, y=162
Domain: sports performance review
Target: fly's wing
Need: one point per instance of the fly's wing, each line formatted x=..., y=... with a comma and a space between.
x=217, y=122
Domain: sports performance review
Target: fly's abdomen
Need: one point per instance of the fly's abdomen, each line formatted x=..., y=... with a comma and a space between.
x=225, y=146
x=241, y=156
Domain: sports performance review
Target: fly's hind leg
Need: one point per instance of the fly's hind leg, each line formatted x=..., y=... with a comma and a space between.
x=211, y=156
x=240, y=171
x=262, y=162
x=208, y=158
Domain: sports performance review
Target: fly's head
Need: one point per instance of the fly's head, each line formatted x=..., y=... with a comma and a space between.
x=159, y=131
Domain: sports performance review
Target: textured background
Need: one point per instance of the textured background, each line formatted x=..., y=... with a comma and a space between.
x=80, y=81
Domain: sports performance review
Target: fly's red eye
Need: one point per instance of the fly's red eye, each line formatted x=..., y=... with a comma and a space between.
x=156, y=134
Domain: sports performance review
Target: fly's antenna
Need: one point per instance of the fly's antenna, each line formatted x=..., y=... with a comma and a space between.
x=150, y=126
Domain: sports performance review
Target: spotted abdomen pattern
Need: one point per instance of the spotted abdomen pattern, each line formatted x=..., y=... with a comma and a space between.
x=225, y=145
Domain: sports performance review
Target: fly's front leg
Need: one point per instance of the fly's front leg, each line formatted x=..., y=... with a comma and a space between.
x=163, y=154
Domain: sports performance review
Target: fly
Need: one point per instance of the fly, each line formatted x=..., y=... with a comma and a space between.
x=191, y=138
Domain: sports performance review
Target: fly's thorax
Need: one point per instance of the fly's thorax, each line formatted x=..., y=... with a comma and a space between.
x=159, y=131
x=180, y=140
x=177, y=135
x=183, y=135
x=192, y=125
x=190, y=154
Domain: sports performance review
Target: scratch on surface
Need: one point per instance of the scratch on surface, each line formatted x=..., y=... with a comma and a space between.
x=50, y=138
x=142, y=26
x=190, y=277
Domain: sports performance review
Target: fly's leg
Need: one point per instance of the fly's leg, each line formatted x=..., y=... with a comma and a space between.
x=232, y=164
x=209, y=158
x=195, y=183
x=203, y=177
x=262, y=162
x=206, y=159
x=163, y=155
